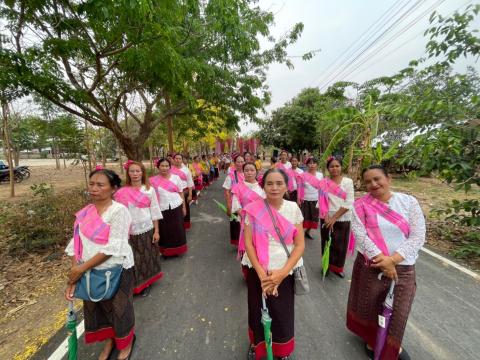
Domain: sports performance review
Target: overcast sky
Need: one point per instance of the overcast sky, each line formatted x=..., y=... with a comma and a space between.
x=336, y=27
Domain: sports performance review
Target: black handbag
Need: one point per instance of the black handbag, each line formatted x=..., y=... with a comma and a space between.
x=301, y=285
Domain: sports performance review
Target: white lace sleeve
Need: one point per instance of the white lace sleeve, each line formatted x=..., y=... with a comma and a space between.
x=363, y=243
x=117, y=245
x=190, y=183
x=298, y=215
x=155, y=212
x=227, y=184
x=411, y=246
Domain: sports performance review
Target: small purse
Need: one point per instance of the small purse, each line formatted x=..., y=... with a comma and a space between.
x=301, y=285
x=98, y=285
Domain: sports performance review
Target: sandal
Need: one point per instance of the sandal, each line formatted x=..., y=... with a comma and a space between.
x=131, y=350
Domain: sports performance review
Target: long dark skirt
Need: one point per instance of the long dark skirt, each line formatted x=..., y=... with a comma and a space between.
x=114, y=318
x=339, y=245
x=280, y=308
x=173, y=240
x=216, y=173
x=198, y=184
x=365, y=299
x=211, y=176
x=186, y=219
x=310, y=214
x=292, y=195
x=234, y=232
x=147, y=268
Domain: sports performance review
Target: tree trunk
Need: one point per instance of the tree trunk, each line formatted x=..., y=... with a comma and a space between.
x=87, y=147
x=150, y=154
x=16, y=157
x=7, y=148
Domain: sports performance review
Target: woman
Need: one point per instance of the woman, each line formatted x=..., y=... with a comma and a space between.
x=335, y=221
x=101, y=242
x=173, y=241
x=185, y=175
x=205, y=171
x=296, y=171
x=308, y=197
x=246, y=192
x=196, y=170
x=389, y=229
x=140, y=199
x=270, y=269
x=258, y=163
x=234, y=177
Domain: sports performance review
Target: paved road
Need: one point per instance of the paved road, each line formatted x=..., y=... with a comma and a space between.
x=199, y=309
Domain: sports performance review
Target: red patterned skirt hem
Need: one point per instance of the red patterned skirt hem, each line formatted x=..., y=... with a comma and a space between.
x=109, y=333
x=141, y=287
x=174, y=251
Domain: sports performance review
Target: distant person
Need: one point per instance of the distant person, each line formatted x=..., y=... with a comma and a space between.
x=389, y=229
x=270, y=269
x=168, y=187
x=273, y=161
x=335, y=219
x=100, y=242
x=293, y=195
x=234, y=177
x=141, y=201
x=182, y=171
x=258, y=163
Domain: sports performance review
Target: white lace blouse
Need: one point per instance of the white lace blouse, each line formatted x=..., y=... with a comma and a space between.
x=143, y=218
x=335, y=203
x=298, y=171
x=236, y=206
x=276, y=253
x=311, y=193
x=119, y=219
x=170, y=200
x=188, y=174
x=408, y=248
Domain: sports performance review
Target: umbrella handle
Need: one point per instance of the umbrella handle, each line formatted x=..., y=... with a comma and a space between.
x=264, y=303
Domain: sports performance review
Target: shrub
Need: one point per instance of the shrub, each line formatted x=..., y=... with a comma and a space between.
x=44, y=222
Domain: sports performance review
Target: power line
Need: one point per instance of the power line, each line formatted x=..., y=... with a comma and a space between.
x=351, y=47
x=373, y=42
x=409, y=25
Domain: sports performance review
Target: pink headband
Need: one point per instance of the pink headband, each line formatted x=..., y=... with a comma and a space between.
x=127, y=164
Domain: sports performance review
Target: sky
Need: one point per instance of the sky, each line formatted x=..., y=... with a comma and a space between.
x=341, y=29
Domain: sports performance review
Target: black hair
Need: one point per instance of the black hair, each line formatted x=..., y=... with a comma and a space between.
x=249, y=163
x=312, y=160
x=159, y=161
x=331, y=159
x=236, y=157
x=247, y=152
x=113, y=179
x=376, y=167
x=283, y=151
x=177, y=154
x=271, y=171
x=273, y=159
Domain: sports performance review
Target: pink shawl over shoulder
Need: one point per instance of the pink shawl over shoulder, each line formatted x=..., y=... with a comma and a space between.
x=290, y=173
x=367, y=208
x=92, y=227
x=179, y=173
x=262, y=227
x=127, y=195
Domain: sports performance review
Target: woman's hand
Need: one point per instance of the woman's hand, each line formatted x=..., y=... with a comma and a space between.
x=329, y=222
x=229, y=211
x=76, y=273
x=272, y=281
x=156, y=237
x=391, y=274
x=384, y=263
x=69, y=291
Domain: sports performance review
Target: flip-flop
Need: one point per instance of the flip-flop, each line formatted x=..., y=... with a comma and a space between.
x=131, y=349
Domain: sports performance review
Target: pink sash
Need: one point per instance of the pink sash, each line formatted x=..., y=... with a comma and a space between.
x=198, y=169
x=290, y=173
x=367, y=208
x=159, y=181
x=244, y=194
x=324, y=186
x=93, y=228
x=262, y=226
x=240, y=176
x=176, y=171
x=129, y=195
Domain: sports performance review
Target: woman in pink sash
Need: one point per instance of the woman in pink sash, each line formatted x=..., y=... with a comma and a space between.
x=197, y=176
x=269, y=268
x=100, y=241
x=335, y=221
x=140, y=199
x=293, y=196
x=309, y=199
x=185, y=175
x=389, y=230
x=168, y=187
x=234, y=177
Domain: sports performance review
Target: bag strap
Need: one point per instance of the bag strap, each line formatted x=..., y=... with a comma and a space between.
x=277, y=230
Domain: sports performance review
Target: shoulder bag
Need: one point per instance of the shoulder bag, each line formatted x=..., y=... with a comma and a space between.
x=98, y=285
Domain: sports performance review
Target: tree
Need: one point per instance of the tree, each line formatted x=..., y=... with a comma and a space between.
x=151, y=59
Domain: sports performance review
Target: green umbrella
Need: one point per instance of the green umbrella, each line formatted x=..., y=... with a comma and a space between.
x=224, y=209
x=267, y=325
x=326, y=255
x=72, y=332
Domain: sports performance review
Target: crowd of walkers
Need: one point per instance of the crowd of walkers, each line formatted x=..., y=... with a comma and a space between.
x=126, y=230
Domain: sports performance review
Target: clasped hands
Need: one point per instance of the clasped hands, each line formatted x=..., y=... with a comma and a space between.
x=271, y=280
x=76, y=273
x=387, y=265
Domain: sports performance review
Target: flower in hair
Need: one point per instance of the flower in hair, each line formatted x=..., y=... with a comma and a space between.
x=99, y=167
x=330, y=158
x=127, y=163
